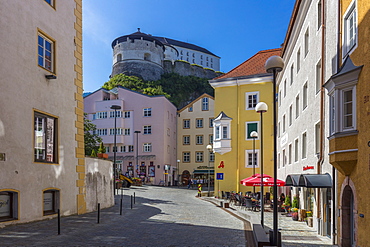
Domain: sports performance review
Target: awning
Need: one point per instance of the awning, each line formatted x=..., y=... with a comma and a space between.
x=315, y=180
x=292, y=180
x=211, y=171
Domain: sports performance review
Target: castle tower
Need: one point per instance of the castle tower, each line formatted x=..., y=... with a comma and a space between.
x=138, y=54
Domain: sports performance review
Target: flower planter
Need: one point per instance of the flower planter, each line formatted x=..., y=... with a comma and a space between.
x=118, y=185
x=102, y=155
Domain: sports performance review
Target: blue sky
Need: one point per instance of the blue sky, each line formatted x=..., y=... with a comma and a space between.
x=232, y=29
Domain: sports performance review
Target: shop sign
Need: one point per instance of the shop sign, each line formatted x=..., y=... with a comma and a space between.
x=220, y=176
x=308, y=168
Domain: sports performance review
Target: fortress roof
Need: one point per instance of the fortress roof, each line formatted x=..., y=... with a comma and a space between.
x=137, y=35
x=252, y=66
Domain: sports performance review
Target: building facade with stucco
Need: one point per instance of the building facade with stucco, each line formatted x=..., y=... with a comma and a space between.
x=41, y=118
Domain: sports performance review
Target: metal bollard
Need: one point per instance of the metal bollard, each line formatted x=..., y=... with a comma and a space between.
x=134, y=198
x=131, y=201
x=98, y=213
x=120, y=207
x=58, y=221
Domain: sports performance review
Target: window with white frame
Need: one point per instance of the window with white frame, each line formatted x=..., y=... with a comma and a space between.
x=278, y=130
x=305, y=95
x=284, y=158
x=46, y=52
x=118, y=114
x=127, y=114
x=118, y=131
x=296, y=150
x=298, y=60
x=186, y=140
x=297, y=106
x=225, y=132
x=211, y=156
x=211, y=122
x=290, y=154
x=332, y=109
x=199, y=156
x=284, y=123
x=101, y=115
x=217, y=132
x=199, y=122
x=284, y=88
x=251, y=159
x=127, y=132
x=279, y=99
x=290, y=115
x=278, y=160
x=317, y=138
x=306, y=41
x=199, y=139
x=102, y=132
x=130, y=148
x=147, y=147
x=350, y=29
x=147, y=112
x=186, y=157
x=304, y=145
x=291, y=74
x=186, y=124
x=318, y=77
x=348, y=109
x=147, y=129
x=251, y=100
x=319, y=13
x=205, y=104
x=45, y=138
x=249, y=127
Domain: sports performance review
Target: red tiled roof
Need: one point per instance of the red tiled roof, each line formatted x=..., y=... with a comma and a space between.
x=253, y=66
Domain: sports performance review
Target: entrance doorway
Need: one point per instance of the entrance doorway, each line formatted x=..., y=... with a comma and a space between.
x=348, y=218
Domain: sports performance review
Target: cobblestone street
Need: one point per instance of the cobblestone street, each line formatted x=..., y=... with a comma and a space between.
x=161, y=216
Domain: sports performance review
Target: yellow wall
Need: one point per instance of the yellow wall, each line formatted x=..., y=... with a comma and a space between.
x=231, y=100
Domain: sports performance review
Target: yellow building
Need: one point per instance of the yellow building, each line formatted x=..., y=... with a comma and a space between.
x=194, y=133
x=236, y=95
x=349, y=144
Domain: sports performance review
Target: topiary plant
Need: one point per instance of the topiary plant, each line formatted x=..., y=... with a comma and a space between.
x=287, y=201
x=295, y=202
x=101, y=148
x=93, y=153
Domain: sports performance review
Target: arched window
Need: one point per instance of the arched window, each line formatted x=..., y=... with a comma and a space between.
x=119, y=57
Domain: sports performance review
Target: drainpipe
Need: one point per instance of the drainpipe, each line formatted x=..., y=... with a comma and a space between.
x=322, y=104
x=237, y=134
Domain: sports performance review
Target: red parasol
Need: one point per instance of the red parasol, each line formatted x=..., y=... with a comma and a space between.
x=256, y=181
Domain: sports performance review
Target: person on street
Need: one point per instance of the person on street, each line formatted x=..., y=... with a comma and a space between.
x=189, y=183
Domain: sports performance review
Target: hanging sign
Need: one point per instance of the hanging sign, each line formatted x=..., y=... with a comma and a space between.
x=221, y=164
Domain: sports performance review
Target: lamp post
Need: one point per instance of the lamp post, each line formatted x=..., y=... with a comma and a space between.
x=137, y=132
x=209, y=148
x=177, y=171
x=115, y=108
x=254, y=135
x=261, y=108
x=274, y=64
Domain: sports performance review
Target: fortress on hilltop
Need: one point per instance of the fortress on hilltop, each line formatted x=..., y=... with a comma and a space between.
x=148, y=57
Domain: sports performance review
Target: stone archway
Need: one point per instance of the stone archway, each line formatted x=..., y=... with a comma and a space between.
x=347, y=217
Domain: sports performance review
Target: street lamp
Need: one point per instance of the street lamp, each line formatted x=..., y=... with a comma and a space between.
x=137, y=132
x=261, y=108
x=274, y=64
x=209, y=148
x=178, y=174
x=115, y=108
x=254, y=135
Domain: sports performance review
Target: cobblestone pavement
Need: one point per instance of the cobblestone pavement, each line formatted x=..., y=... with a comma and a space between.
x=293, y=233
x=161, y=216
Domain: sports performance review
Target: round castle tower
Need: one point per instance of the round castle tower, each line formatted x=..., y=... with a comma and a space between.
x=138, y=54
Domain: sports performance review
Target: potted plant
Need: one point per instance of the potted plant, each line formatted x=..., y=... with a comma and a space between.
x=101, y=151
x=294, y=213
x=287, y=204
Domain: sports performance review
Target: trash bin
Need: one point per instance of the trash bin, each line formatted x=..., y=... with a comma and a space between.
x=271, y=234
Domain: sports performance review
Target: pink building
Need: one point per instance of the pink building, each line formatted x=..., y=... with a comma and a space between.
x=146, y=132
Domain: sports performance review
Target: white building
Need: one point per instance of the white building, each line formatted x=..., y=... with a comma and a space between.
x=309, y=53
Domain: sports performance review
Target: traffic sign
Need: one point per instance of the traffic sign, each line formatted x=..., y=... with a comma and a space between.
x=220, y=176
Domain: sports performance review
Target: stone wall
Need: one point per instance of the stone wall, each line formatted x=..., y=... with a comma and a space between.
x=143, y=69
x=186, y=69
x=98, y=180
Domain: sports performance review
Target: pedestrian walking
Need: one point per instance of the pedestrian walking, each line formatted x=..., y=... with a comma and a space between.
x=199, y=190
x=189, y=183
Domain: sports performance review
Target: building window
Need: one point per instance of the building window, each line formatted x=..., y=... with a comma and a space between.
x=284, y=123
x=318, y=77
x=306, y=41
x=147, y=147
x=217, y=132
x=199, y=139
x=250, y=158
x=210, y=139
x=319, y=13
x=118, y=114
x=284, y=158
x=102, y=115
x=205, y=104
x=186, y=157
x=317, y=138
x=224, y=132
x=186, y=140
x=284, y=88
x=147, y=129
x=290, y=154
x=305, y=94
x=297, y=106
x=350, y=29
x=304, y=145
x=130, y=148
x=8, y=205
x=348, y=109
x=45, y=138
x=102, y=132
x=127, y=114
x=199, y=122
x=211, y=122
x=50, y=2
x=119, y=57
x=118, y=131
x=211, y=156
x=127, y=132
x=252, y=99
x=190, y=109
x=291, y=74
x=278, y=130
x=147, y=112
x=51, y=202
x=279, y=98
x=45, y=52
x=290, y=115
x=250, y=126
x=296, y=148
x=123, y=149
x=186, y=123
x=298, y=60
x=151, y=170
x=199, y=156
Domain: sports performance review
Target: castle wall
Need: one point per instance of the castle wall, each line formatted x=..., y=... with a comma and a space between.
x=186, y=69
x=140, y=68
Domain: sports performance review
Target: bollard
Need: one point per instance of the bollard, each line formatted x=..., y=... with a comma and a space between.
x=58, y=221
x=131, y=201
x=121, y=193
x=120, y=208
x=98, y=213
x=134, y=198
